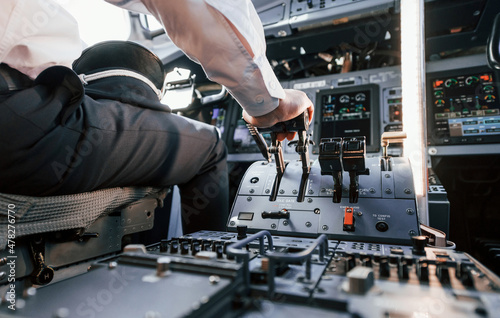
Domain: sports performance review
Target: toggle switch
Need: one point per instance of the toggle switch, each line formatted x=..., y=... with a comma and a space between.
x=349, y=219
x=350, y=261
x=442, y=272
x=164, y=245
x=174, y=246
x=403, y=272
x=423, y=271
x=184, y=247
x=384, y=268
x=195, y=248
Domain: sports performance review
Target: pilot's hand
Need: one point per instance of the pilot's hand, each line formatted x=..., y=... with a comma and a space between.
x=294, y=104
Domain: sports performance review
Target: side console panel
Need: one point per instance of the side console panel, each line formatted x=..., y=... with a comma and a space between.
x=385, y=212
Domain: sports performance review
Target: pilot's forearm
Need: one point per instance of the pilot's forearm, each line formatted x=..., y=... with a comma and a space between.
x=227, y=39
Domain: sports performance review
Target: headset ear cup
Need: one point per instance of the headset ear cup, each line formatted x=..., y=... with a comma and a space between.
x=493, y=48
x=126, y=55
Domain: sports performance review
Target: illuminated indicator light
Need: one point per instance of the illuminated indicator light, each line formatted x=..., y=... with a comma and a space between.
x=486, y=77
x=438, y=83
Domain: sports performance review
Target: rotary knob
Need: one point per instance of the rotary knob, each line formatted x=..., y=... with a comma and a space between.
x=43, y=276
x=419, y=244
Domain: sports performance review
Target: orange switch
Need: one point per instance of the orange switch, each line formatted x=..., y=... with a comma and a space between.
x=349, y=219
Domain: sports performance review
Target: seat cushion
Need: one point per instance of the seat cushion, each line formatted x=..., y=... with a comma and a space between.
x=34, y=215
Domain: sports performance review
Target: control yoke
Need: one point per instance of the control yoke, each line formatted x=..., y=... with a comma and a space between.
x=299, y=124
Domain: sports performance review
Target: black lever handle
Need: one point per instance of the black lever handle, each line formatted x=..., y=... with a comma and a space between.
x=298, y=123
x=282, y=214
x=353, y=161
x=331, y=163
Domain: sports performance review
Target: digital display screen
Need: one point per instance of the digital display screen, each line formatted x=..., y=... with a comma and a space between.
x=464, y=109
x=346, y=114
x=218, y=118
x=245, y=216
x=243, y=141
x=349, y=112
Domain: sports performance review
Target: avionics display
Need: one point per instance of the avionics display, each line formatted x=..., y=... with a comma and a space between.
x=243, y=142
x=464, y=109
x=349, y=112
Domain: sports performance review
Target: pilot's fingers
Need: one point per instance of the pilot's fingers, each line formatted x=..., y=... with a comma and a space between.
x=294, y=103
x=310, y=111
x=285, y=135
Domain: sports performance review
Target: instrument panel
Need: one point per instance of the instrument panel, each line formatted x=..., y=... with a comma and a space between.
x=350, y=246
x=364, y=103
x=223, y=274
x=464, y=108
x=348, y=112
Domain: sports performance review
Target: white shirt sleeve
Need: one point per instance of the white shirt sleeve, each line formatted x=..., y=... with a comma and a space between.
x=200, y=29
x=37, y=34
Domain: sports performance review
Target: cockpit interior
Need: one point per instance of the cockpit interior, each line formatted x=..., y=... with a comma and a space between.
x=386, y=203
